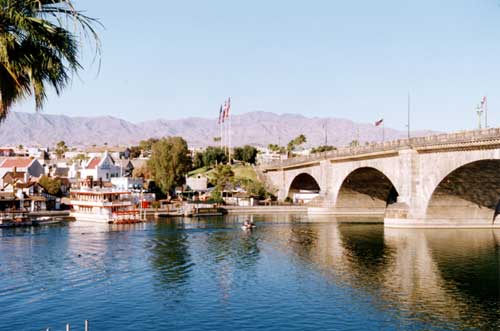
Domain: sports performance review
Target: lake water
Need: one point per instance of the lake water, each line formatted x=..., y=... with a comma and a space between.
x=288, y=274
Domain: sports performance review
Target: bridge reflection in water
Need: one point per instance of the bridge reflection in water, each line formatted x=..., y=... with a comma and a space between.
x=448, y=276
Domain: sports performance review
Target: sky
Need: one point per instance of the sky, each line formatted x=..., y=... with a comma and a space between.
x=347, y=59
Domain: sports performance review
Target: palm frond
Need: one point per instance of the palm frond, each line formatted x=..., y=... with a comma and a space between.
x=39, y=47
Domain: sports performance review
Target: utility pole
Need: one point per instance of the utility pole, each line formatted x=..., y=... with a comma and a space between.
x=408, y=116
x=479, y=111
x=484, y=107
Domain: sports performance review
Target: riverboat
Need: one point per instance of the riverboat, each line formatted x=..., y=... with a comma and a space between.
x=103, y=206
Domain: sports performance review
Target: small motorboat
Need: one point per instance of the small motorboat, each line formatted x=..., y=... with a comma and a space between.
x=46, y=220
x=248, y=226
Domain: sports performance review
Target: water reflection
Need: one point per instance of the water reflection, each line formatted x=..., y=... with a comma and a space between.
x=468, y=262
x=442, y=278
x=311, y=274
x=170, y=255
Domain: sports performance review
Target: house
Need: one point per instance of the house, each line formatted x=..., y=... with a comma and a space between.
x=31, y=168
x=198, y=183
x=101, y=168
x=126, y=167
x=12, y=179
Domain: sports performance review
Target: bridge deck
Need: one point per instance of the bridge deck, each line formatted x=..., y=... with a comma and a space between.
x=447, y=141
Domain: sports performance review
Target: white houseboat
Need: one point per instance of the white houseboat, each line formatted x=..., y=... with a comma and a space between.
x=104, y=206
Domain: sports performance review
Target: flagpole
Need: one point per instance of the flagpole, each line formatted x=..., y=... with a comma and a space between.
x=383, y=132
x=485, y=113
x=227, y=139
x=220, y=132
x=326, y=132
x=230, y=136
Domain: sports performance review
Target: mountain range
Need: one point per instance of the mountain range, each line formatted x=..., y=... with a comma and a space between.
x=254, y=128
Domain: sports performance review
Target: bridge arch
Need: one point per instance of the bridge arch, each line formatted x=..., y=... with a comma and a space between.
x=470, y=192
x=303, y=188
x=366, y=188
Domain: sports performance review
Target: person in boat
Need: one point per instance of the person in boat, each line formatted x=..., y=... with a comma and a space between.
x=247, y=224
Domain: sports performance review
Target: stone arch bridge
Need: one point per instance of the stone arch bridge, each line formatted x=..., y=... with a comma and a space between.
x=447, y=180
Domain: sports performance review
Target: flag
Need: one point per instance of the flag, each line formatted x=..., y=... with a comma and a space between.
x=224, y=111
x=380, y=121
x=483, y=102
x=228, y=107
x=220, y=115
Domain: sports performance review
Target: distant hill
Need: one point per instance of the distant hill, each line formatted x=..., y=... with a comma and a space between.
x=255, y=128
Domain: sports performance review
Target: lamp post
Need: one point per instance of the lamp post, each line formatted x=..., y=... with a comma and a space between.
x=479, y=111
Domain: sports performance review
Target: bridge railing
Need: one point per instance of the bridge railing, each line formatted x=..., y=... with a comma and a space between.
x=394, y=145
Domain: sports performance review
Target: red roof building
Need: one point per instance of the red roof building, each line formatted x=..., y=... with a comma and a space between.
x=16, y=163
x=31, y=168
x=93, y=163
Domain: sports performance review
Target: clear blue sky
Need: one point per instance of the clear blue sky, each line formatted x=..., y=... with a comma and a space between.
x=347, y=59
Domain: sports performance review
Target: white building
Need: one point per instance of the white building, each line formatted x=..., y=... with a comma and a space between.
x=265, y=155
x=198, y=183
x=101, y=168
x=37, y=152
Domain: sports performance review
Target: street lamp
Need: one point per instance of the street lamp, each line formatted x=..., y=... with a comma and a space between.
x=479, y=111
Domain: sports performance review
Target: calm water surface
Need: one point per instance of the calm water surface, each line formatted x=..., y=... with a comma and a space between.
x=288, y=274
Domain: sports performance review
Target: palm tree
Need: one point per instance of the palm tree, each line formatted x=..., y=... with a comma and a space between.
x=299, y=140
x=37, y=49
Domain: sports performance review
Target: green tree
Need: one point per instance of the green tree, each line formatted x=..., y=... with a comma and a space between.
x=169, y=163
x=198, y=160
x=214, y=155
x=277, y=149
x=216, y=196
x=51, y=185
x=324, y=148
x=142, y=172
x=135, y=152
x=37, y=50
x=81, y=157
x=60, y=149
x=354, y=143
x=246, y=153
x=223, y=175
x=147, y=145
x=297, y=141
x=255, y=188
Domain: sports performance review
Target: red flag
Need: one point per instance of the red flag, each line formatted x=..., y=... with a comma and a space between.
x=228, y=107
x=380, y=121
